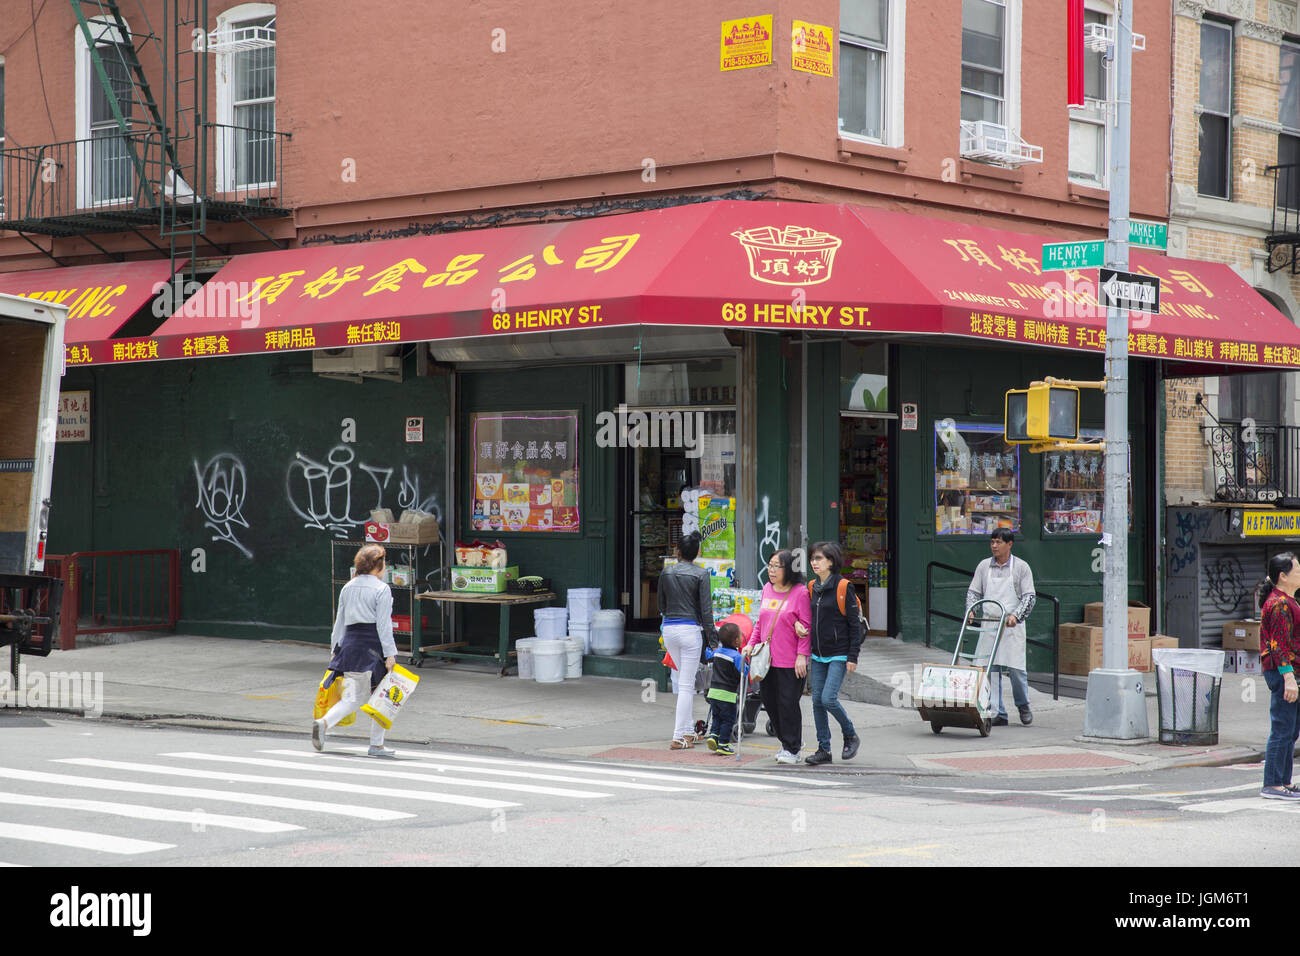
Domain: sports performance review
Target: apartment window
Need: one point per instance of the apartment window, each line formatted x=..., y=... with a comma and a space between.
x=1288, y=117
x=105, y=167
x=245, y=48
x=864, y=48
x=983, y=61
x=1216, y=109
x=1088, y=141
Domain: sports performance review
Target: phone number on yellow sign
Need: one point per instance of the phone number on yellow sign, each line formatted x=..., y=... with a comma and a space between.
x=546, y=318
x=778, y=313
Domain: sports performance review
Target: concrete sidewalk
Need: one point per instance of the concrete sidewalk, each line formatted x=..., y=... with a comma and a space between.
x=270, y=685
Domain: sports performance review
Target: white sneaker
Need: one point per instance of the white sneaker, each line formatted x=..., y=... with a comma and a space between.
x=784, y=756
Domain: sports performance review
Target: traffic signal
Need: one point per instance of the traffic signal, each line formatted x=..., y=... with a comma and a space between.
x=1041, y=413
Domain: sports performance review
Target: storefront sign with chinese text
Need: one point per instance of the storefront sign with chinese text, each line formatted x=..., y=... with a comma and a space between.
x=525, y=471
x=74, y=417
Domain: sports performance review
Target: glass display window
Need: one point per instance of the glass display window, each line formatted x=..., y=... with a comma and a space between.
x=1074, y=485
x=525, y=471
x=977, y=479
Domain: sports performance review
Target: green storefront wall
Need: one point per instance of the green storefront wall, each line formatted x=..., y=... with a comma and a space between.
x=968, y=385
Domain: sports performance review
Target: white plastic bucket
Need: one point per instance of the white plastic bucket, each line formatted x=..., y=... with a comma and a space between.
x=524, y=655
x=549, y=661
x=607, y=633
x=581, y=633
x=573, y=659
x=583, y=602
x=551, y=623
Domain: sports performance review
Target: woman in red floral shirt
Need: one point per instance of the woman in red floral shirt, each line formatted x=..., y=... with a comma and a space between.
x=1279, y=649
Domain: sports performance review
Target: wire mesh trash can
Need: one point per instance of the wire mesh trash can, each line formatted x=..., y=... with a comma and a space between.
x=1187, y=694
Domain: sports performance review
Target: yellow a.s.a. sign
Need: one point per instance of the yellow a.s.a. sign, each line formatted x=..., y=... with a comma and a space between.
x=1264, y=523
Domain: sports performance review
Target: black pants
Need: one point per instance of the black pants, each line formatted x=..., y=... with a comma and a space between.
x=781, y=692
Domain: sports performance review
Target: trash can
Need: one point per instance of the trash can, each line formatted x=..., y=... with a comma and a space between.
x=1187, y=694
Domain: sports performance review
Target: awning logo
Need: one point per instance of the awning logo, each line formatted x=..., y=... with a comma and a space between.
x=793, y=255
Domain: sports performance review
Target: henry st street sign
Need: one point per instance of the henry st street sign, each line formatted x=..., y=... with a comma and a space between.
x=1074, y=255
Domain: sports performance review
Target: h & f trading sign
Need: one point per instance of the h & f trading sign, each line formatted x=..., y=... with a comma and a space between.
x=1261, y=523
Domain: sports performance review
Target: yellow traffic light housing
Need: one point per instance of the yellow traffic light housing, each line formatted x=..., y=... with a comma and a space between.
x=1041, y=412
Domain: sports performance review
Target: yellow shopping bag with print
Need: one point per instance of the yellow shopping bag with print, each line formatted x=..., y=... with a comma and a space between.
x=386, y=702
x=328, y=697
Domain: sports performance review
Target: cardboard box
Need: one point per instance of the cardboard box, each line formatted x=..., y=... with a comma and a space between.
x=1080, y=648
x=1158, y=641
x=482, y=580
x=1139, y=654
x=1243, y=662
x=1241, y=636
x=423, y=531
x=1139, y=618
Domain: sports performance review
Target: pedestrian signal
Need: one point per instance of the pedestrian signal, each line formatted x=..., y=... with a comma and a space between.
x=1041, y=413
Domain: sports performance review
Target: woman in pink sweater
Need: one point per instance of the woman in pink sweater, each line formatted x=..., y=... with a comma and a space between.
x=785, y=601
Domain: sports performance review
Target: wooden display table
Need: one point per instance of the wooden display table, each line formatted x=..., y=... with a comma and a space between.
x=503, y=601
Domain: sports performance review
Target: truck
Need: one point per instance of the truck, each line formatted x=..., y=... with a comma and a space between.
x=32, y=359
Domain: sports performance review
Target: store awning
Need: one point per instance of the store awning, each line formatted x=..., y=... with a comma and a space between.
x=726, y=264
x=100, y=300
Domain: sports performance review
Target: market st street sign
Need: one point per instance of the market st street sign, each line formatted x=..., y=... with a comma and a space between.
x=1128, y=290
x=1152, y=235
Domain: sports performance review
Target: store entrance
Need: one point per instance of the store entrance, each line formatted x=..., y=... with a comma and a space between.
x=865, y=534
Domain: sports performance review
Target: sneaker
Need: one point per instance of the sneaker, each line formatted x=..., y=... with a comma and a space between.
x=711, y=742
x=680, y=745
x=381, y=752
x=787, y=757
x=818, y=758
x=1001, y=721
x=1281, y=793
x=1026, y=716
x=851, y=745
x=724, y=750
x=318, y=733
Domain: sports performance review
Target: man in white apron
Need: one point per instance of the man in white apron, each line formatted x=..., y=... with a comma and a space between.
x=1008, y=581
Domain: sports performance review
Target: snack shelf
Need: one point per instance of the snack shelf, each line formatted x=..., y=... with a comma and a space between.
x=408, y=555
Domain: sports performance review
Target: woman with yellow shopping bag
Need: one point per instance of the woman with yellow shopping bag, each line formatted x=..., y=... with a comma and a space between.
x=363, y=645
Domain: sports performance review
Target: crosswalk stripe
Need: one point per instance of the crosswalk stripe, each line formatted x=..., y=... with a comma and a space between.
x=80, y=839
x=199, y=793
x=392, y=774
x=810, y=779
x=1242, y=803
x=250, y=824
x=425, y=796
x=421, y=762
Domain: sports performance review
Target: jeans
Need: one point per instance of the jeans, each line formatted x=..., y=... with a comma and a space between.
x=826, y=680
x=781, y=692
x=1279, y=753
x=683, y=643
x=1019, y=687
x=356, y=691
x=722, y=720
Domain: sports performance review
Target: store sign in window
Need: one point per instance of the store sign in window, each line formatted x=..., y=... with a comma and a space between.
x=977, y=479
x=1074, y=488
x=525, y=471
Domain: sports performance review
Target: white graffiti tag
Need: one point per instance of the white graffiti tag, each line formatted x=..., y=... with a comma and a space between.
x=771, y=544
x=223, y=486
x=323, y=494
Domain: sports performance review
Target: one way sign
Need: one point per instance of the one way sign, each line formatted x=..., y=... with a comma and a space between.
x=1126, y=290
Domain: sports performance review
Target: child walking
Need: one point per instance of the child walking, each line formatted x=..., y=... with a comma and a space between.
x=724, y=689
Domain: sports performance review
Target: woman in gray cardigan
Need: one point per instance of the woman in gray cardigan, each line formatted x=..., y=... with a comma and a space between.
x=685, y=599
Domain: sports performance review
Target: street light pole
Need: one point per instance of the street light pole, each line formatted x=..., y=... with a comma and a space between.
x=1116, y=703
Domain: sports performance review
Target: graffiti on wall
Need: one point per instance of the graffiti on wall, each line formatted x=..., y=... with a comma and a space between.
x=223, y=488
x=331, y=496
x=1226, y=584
x=1192, y=526
x=771, y=543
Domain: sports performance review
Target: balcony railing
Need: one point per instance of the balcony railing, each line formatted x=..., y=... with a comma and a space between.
x=1254, y=463
x=1283, y=237
x=118, y=181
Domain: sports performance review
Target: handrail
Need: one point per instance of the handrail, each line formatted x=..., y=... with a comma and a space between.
x=1054, y=646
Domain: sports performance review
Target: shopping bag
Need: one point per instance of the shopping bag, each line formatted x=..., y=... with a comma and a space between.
x=387, y=700
x=328, y=697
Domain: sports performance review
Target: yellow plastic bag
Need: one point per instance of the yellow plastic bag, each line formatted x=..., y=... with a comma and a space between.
x=327, y=698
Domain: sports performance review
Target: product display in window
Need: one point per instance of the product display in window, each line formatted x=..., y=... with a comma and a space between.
x=977, y=479
x=1074, y=490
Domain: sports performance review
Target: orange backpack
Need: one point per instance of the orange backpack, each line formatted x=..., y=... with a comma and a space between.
x=841, y=594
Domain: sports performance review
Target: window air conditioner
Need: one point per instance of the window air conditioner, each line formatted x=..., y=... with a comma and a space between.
x=994, y=143
x=352, y=364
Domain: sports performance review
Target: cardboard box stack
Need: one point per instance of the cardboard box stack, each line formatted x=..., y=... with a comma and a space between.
x=1081, y=644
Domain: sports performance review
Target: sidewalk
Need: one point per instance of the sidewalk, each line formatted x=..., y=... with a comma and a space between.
x=270, y=686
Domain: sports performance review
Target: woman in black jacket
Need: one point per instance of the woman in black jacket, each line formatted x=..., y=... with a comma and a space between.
x=836, y=638
x=685, y=599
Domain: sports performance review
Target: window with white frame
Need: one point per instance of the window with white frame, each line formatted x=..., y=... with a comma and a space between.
x=1288, y=117
x=105, y=165
x=244, y=45
x=983, y=61
x=864, y=74
x=1213, y=176
x=1088, y=124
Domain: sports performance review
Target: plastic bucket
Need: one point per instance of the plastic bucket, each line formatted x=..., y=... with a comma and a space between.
x=583, y=602
x=549, y=661
x=551, y=623
x=524, y=655
x=573, y=659
x=607, y=633
x=581, y=633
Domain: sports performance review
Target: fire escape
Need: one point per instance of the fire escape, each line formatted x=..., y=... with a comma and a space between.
x=153, y=162
x=1284, y=232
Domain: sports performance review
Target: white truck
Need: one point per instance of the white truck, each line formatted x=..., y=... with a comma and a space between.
x=31, y=356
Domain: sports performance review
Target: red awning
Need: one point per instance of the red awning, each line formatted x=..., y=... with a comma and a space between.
x=745, y=265
x=100, y=300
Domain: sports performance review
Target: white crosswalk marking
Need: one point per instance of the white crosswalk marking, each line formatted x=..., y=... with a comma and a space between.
x=421, y=795
x=199, y=793
x=79, y=839
x=1243, y=803
x=139, y=812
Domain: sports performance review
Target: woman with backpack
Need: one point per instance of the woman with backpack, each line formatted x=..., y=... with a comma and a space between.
x=835, y=638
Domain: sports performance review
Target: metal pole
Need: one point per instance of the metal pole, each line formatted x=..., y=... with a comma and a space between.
x=1116, y=703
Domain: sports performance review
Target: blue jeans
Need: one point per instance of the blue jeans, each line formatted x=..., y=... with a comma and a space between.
x=722, y=720
x=825, y=680
x=1280, y=750
x=1019, y=687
